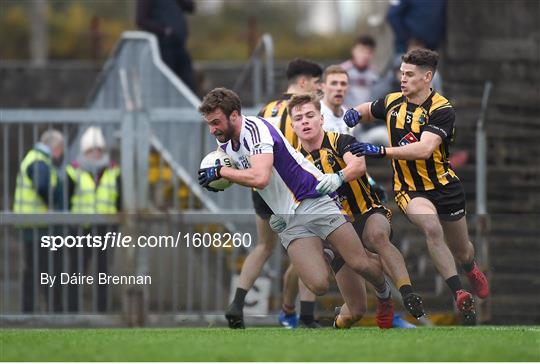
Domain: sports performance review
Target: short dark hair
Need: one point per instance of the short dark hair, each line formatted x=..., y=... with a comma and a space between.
x=366, y=40
x=301, y=99
x=221, y=98
x=302, y=67
x=422, y=57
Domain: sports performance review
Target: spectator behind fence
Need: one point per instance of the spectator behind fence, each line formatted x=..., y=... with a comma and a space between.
x=167, y=20
x=93, y=186
x=362, y=75
x=362, y=78
x=38, y=191
x=422, y=20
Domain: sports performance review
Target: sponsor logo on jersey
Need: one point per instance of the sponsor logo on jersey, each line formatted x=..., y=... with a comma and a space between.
x=408, y=139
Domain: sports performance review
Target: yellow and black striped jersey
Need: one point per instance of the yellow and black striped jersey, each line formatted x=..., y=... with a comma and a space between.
x=406, y=122
x=356, y=196
x=276, y=113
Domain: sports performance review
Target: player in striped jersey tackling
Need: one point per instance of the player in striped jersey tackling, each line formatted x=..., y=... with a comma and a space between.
x=420, y=126
x=346, y=175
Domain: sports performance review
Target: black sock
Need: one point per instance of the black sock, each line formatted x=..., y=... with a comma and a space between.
x=239, y=297
x=468, y=267
x=307, y=311
x=454, y=284
x=405, y=290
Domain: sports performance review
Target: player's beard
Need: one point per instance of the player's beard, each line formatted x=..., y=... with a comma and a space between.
x=225, y=135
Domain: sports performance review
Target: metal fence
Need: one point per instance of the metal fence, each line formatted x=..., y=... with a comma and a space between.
x=136, y=79
x=185, y=280
x=153, y=130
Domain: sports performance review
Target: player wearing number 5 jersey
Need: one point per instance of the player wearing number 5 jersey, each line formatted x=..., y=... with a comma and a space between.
x=420, y=126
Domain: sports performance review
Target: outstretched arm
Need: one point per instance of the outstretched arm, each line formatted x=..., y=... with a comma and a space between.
x=365, y=113
x=420, y=150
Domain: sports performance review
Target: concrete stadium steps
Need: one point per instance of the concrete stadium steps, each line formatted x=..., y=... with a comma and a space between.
x=505, y=282
x=527, y=263
x=503, y=50
x=470, y=74
x=515, y=308
x=509, y=136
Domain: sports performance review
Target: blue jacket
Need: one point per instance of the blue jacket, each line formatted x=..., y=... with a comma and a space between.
x=156, y=15
x=424, y=20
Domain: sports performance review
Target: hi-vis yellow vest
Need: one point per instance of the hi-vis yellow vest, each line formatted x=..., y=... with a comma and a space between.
x=89, y=199
x=27, y=200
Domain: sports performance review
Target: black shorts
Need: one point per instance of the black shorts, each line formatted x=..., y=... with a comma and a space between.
x=261, y=208
x=359, y=222
x=449, y=200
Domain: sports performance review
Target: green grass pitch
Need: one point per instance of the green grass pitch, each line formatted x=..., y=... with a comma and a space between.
x=514, y=343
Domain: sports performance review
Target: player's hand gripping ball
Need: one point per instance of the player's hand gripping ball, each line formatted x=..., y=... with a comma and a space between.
x=209, y=172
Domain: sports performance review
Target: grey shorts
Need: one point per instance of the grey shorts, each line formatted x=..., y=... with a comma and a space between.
x=313, y=217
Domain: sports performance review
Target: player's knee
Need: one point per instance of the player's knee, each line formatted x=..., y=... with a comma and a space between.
x=357, y=313
x=319, y=287
x=355, y=318
x=352, y=318
x=377, y=238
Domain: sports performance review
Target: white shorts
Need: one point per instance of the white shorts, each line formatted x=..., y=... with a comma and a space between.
x=313, y=217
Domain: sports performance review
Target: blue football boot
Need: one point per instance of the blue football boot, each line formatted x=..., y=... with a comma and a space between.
x=398, y=322
x=289, y=321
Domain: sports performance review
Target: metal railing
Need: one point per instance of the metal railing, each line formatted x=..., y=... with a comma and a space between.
x=186, y=280
x=482, y=217
x=136, y=79
x=22, y=258
x=144, y=111
x=263, y=54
